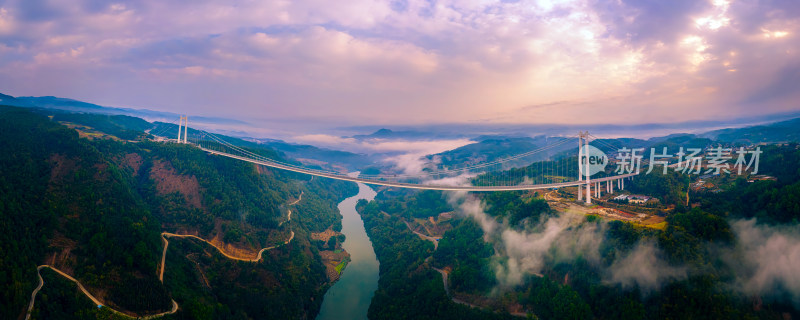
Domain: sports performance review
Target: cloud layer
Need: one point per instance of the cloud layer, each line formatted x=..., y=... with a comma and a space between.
x=410, y=61
x=768, y=261
x=763, y=262
x=563, y=238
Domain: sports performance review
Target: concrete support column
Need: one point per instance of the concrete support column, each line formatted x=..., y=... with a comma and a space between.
x=597, y=189
x=186, y=129
x=588, y=193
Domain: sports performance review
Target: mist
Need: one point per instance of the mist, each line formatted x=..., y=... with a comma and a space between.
x=644, y=268
x=563, y=238
x=767, y=262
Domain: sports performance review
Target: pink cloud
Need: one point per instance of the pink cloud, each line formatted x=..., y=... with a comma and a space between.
x=364, y=62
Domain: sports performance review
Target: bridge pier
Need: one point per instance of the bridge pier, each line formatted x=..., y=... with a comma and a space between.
x=597, y=189
x=588, y=193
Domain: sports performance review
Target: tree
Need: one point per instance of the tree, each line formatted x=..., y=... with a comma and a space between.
x=332, y=243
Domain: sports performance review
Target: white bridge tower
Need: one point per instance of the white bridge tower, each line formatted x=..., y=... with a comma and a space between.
x=183, y=123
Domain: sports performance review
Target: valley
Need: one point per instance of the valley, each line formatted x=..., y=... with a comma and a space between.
x=226, y=232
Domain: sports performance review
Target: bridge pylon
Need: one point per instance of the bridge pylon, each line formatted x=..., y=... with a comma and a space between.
x=580, y=169
x=586, y=168
x=583, y=141
x=183, y=122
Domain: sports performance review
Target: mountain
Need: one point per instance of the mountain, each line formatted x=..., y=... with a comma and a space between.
x=80, y=199
x=327, y=158
x=491, y=148
x=61, y=103
x=384, y=133
x=672, y=142
x=11, y=101
x=51, y=102
x=116, y=122
x=784, y=131
x=776, y=132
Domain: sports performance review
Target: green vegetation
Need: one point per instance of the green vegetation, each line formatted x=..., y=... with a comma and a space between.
x=23, y=182
x=508, y=204
x=340, y=266
x=97, y=207
x=554, y=301
x=696, y=281
x=771, y=202
x=548, y=171
x=61, y=299
x=490, y=148
x=463, y=248
x=408, y=288
x=669, y=188
x=423, y=204
x=66, y=187
x=287, y=284
x=120, y=126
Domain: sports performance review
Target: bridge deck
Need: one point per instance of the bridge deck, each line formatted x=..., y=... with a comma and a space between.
x=412, y=185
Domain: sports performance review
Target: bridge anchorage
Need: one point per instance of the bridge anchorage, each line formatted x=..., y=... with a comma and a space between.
x=555, y=163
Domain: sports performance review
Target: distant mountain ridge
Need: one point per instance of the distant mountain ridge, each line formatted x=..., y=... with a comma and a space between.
x=336, y=158
x=784, y=131
x=69, y=109
x=384, y=133
x=51, y=102
x=489, y=148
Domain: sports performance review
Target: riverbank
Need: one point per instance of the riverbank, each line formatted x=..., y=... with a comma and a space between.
x=350, y=296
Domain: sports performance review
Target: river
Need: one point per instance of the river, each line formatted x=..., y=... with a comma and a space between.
x=349, y=297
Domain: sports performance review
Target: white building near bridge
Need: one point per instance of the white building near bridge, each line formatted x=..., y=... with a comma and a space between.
x=633, y=198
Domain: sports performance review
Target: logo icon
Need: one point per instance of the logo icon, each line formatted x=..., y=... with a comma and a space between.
x=596, y=158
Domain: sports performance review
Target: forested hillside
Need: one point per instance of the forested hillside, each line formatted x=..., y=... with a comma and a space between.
x=727, y=256
x=95, y=207
x=408, y=287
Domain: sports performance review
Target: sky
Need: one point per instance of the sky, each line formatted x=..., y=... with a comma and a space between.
x=366, y=62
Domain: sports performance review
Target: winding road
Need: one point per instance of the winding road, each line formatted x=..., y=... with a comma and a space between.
x=434, y=240
x=89, y=295
x=164, y=236
x=445, y=274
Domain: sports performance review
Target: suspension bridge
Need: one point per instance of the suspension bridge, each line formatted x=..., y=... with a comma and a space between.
x=556, y=164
